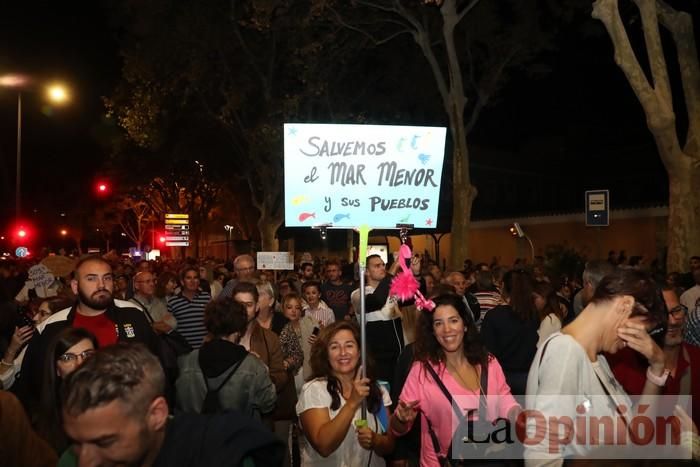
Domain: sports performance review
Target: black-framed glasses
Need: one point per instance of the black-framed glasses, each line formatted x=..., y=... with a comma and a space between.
x=71, y=357
x=678, y=311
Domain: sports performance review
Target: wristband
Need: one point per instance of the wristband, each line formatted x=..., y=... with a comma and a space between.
x=658, y=380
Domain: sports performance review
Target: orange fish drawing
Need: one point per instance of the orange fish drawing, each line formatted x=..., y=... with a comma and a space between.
x=305, y=215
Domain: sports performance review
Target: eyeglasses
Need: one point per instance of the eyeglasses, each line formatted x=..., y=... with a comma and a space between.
x=247, y=269
x=71, y=357
x=678, y=311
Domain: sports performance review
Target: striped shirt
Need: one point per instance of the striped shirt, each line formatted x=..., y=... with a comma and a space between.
x=692, y=328
x=487, y=300
x=322, y=313
x=190, y=316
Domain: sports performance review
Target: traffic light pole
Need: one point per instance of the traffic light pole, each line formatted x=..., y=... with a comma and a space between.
x=18, y=180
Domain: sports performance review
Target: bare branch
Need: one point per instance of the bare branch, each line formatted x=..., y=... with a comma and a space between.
x=466, y=9
x=680, y=24
x=655, y=51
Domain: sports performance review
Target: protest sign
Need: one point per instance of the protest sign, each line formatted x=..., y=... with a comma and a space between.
x=351, y=175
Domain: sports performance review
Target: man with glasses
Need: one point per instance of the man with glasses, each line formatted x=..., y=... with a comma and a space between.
x=682, y=358
x=155, y=308
x=244, y=267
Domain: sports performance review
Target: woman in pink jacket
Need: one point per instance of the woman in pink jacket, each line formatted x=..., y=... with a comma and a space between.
x=449, y=366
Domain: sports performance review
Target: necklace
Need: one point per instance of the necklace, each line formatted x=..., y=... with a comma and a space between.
x=462, y=381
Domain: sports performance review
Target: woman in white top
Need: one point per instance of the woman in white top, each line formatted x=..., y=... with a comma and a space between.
x=551, y=311
x=571, y=379
x=330, y=405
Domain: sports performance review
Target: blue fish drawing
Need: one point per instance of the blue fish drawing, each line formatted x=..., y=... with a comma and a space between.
x=424, y=158
x=414, y=141
x=340, y=217
x=399, y=145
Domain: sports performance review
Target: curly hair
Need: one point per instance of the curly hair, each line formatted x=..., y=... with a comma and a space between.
x=321, y=366
x=225, y=316
x=429, y=350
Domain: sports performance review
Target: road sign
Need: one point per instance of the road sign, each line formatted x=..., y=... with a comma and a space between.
x=177, y=243
x=177, y=239
x=177, y=227
x=21, y=252
x=177, y=221
x=598, y=208
x=177, y=216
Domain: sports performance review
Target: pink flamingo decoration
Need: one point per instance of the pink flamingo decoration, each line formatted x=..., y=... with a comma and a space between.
x=405, y=286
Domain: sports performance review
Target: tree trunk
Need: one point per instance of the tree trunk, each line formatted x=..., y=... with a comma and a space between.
x=683, y=214
x=267, y=226
x=463, y=194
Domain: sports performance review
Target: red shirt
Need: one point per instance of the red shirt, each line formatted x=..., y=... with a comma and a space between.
x=630, y=369
x=101, y=326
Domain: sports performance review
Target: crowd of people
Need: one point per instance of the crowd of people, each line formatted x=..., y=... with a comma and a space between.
x=203, y=363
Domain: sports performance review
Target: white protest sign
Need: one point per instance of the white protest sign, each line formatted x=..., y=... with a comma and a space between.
x=275, y=260
x=40, y=276
x=350, y=175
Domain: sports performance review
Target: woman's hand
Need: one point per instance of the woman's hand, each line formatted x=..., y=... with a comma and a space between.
x=312, y=338
x=636, y=337
x=20, y=336
x=406, y=412
x=416, y=265
x=365, y=436
x=360, y=389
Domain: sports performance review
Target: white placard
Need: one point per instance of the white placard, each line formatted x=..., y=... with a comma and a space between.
x=275, y=260
x=40, y=276
x=350, y=175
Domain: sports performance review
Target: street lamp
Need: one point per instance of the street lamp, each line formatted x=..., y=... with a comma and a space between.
x=517, y=231
x=228, y=229
x=55, y=93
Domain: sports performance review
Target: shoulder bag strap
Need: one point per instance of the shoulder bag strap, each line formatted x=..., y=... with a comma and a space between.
x=145, y=310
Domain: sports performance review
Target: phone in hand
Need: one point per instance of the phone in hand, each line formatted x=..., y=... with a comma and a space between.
x=23, y=319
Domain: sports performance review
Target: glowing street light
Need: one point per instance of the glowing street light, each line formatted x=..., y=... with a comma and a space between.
x=64, y=232
x=56, y=93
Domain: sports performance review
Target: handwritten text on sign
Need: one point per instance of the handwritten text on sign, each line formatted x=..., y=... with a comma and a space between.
x=349, y=175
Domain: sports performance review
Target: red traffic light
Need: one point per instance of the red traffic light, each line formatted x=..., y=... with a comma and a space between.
x=161, y=239
x=102, y=188
x=22, y=234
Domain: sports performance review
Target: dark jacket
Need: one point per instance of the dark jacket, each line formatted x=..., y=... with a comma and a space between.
x=132, y=326
x=226, y=439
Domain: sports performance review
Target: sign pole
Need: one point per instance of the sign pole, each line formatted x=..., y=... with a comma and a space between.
x=362, y=260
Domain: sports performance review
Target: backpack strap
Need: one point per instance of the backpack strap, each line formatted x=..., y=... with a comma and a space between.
x=216, y=390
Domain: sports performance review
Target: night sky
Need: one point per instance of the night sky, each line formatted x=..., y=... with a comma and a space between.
x=580, y=127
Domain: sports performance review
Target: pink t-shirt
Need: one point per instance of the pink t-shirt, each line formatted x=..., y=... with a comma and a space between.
x=421, y=386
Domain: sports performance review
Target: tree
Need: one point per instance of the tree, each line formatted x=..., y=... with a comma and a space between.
x=134, y=215
x=653, y=88
x=470, y=47
x=240, y=68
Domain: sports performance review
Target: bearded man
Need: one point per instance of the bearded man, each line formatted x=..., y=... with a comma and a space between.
x=94, y=310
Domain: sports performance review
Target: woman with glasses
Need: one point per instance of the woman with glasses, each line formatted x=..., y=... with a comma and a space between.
x=66, y=352
x=570, y=377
